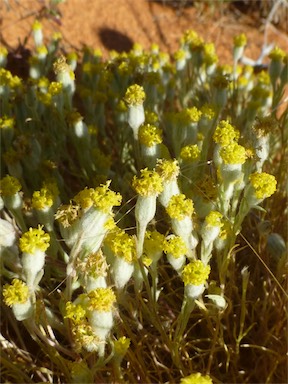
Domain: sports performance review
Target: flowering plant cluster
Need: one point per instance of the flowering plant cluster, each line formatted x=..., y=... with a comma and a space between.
x=125, y=187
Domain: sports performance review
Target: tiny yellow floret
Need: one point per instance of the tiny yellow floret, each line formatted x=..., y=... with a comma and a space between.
x=122, y=245
x=264, y=184
x=240, y=40
x=148, y=183
x=149, y=135
x=36, y=25
x=75, y=312
x=196, y=378
x=134, y=95
x=9, y=186
x=176, y=246
x=190, y=152
x=121, y=346
x=34, y=240
x=68, y=214
x=233, y=153
x=153, y=242
x=214, y=219
x=7, y=122
x=15, y=293
x=167, y=169
x=195, y=273
x=101, y=299
x=277, y=54
x=179, y=207
x=225, y=133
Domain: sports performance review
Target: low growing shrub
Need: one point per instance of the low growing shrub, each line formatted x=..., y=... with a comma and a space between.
x=142, y=216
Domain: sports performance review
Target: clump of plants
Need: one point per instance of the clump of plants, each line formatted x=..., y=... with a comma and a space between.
x=143, y=216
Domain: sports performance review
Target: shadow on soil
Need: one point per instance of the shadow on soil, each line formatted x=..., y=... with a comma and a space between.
x=114, y=40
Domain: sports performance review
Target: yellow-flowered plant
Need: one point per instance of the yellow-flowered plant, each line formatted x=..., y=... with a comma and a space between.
x=131, y=213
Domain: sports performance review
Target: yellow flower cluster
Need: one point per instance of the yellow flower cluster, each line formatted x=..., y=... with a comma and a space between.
x=121, y=346
x=149, y=135
x=277, y=54
x=101, y=299
x=135, y=95
x=208, y=111
x=7, y=122
x=225, y=133
x=233, y=153
x=175, y=246
x=240, y=40
x=195, y=273
x=179, y=207
x=34, y=240
x=153, y=243
x=68, y=214
x=122, y=245
x=101, y=198
x=148, y=183
x=45, y=198
x=15, y=293
x=214, y=219
x=196, y=378
x=190, y=152
x=75, y=312
x=9, y=186
x=167, y=169
x=264, y=184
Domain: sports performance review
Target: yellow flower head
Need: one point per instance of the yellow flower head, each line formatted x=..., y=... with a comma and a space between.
x=68, y=214
x=34, y=240
x=264, y=184
x=101, y=299
x=75, y=312
x=153, y=242
x=180, y=55
x=42, y=199
x=175, y=246
x=148, y=183
x=7, y=122
x=151, y=117
x=149, y=135
x=36, y=25
x=3, y=51
x=45, y=198
x=195, y=273
x=196, y=378
x=208, y=111
x=214, y=219
x=94, y=265
x=55, y=88
x=134, y=95
x=15, y=293
x=9, y=186
x=233, y=153
x=192, y=39
x=225, y=133
x=277, y=54
x=101, y=198
x=60, y=66
x=167, y=169
x=179, y=207
x=240, y=40
x=190, y=115
x=121, y=346
x=190, y=152
x=122, y=245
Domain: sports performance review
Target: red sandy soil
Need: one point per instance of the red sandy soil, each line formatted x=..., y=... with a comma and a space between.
x=117, y=24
